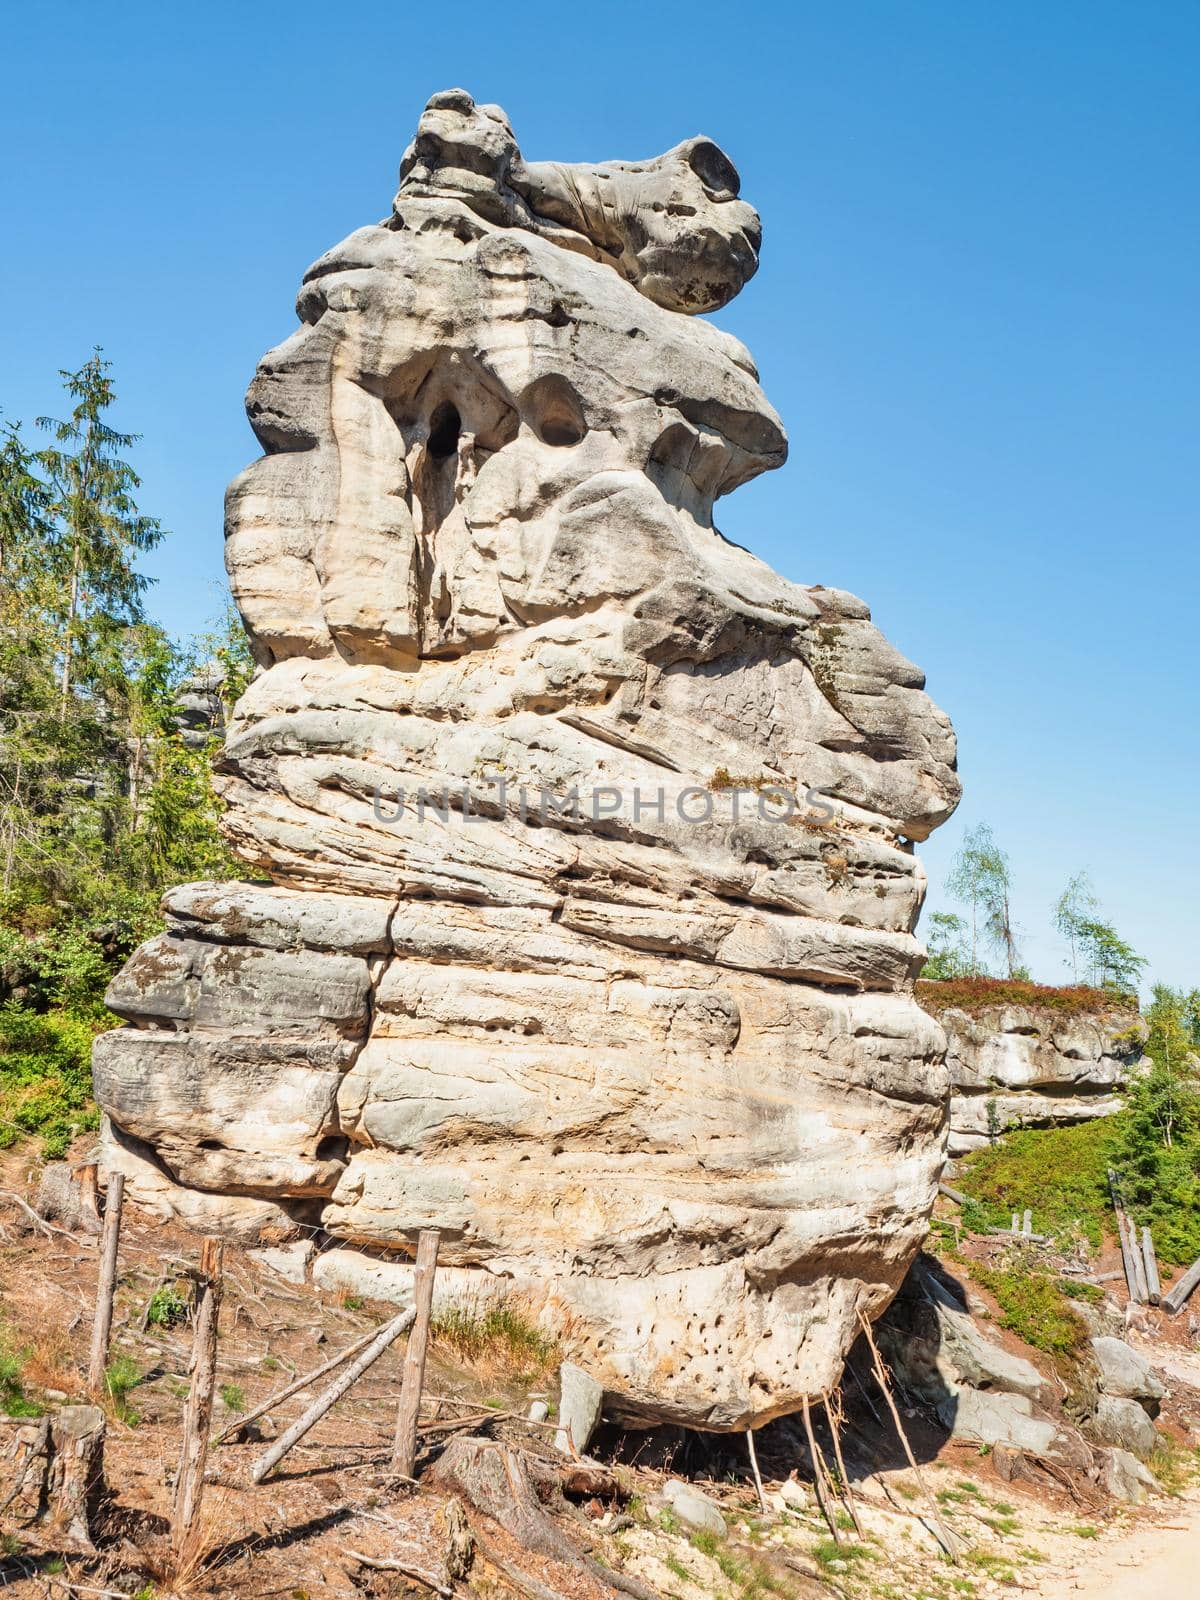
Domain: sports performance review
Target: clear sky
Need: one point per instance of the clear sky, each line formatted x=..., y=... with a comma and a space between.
x=976, y=312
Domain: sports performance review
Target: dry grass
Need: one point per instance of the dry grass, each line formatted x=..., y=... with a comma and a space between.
x=496, y=1337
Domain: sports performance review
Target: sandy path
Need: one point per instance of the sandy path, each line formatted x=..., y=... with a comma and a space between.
x=1152, y=1562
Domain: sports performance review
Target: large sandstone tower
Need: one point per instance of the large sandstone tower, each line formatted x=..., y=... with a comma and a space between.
x=648, y=1052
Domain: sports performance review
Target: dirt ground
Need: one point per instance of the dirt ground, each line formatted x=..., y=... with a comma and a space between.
x=313, y=1530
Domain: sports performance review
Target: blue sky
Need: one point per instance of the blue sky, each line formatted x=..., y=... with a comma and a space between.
x=976, y=312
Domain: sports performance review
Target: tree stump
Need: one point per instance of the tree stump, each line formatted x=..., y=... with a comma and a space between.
x=52, y=1472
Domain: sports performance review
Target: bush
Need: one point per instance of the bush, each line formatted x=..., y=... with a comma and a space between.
x=1060, y=1174
x=978, y=993
x=1034, y=1307
x=45, y=1077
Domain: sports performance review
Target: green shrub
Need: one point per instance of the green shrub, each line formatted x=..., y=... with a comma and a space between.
x=45, y=1077
x=1058, y=1173
x=233, y=1396
x=120, y=1377
x=167, y=1307
x=1034, y=1307
x=13, y=1399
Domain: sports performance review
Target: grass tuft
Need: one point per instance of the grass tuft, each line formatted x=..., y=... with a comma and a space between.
x=499, y=1335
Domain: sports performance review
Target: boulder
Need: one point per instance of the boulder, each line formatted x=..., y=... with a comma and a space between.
x=1125, y=1478
x=998, y=1419
x=937, y=1348
x=694, y=1508
x=588, y=935
x=1124, y=1423
x=1017, y=1065
x=579, y=1402
x=1126, y=1374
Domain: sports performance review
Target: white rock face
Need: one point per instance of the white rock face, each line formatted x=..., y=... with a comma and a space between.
x=649, y=1058
x=1035, y=1066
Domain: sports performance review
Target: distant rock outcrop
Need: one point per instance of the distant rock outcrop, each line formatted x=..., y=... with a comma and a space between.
x=1030, y=1062
x=562, y=952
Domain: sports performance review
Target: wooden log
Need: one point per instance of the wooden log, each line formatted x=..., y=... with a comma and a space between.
x=106, y=1284
x=386, y=1336
x=1139, y=1266
x=819, y=1475
x=197, y=1416
x=1176, y=1298
x=294, y=1387
x=404, y=1446
x=956, y=1195
x=1127, y=1254
x=1150, y=1262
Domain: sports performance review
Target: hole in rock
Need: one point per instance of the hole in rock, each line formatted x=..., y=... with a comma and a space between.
x=554, y=410
x=445, y=426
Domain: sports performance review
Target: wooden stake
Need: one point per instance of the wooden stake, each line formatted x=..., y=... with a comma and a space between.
x=292, y=1388
x=938, y=1527
x=819, y=1475
x=404, y=1446
x=831, y=1413
x=1175, y=1299
x=1150, y=1262
x=106, y=1285
x=758, y=1483
x=386, y=1336
x=197, y=1415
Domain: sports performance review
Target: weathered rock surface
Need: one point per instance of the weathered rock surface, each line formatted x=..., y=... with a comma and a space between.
x=1126, y=1374
x=1016, y=1065
x=651, y=1060
x=1124, y=1423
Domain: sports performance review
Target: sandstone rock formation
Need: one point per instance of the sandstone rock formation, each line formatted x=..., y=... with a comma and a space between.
x=1030, y=1065
x=651, y=1059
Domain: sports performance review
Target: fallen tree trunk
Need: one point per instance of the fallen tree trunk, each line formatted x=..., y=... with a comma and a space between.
x=1175, y=1299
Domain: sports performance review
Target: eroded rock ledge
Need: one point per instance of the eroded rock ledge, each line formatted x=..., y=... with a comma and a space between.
x=657, y=1065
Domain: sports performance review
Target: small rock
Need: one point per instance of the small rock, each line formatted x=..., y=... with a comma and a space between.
x=694, y=1508
x=793, y=1494
x=290, y=1261
x=578, y=1408
x=539, y=1411
x=55, y=1394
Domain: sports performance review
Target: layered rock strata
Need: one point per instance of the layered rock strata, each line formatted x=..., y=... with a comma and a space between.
x=1033, y=1066
x=588, y=929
